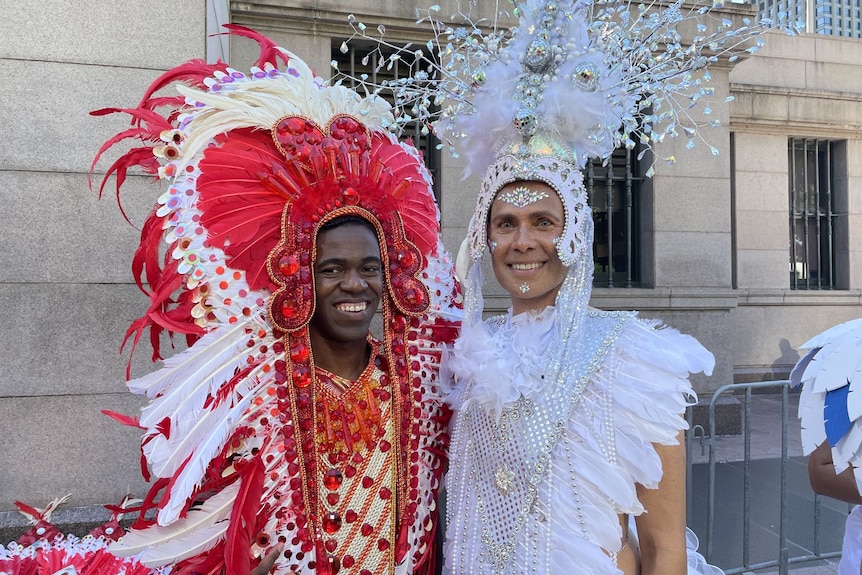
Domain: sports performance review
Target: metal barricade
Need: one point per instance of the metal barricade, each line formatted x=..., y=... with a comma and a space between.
x=697, y=433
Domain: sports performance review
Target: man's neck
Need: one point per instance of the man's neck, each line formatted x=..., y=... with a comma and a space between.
x=347, y=360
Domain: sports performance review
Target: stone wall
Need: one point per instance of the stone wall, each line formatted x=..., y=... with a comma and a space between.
x=808, y=86
x=66, y=292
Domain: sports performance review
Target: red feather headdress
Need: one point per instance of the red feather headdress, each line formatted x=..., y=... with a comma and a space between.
x=256, y=163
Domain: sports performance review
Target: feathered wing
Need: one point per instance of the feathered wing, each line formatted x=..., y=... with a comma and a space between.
x=201, y=397
x=830, y=405
x=202, y=529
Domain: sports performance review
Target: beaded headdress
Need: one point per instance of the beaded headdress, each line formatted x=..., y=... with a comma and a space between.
x=256, y=164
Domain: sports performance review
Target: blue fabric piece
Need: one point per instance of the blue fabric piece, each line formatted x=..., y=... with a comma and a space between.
x=835, y=414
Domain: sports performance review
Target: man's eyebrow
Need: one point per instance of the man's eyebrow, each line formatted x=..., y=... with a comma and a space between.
x=339, y=260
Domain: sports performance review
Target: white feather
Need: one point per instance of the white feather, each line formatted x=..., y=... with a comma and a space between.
x=854, y=397
x=833, y=333
x=835, y=364
x=205, y=351
x=250, y=104
x=199, y=531
x=185, y=399
x=210, y=447
x=846, y=449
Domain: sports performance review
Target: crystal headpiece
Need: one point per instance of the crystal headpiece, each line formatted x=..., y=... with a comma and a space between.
x=591, y=75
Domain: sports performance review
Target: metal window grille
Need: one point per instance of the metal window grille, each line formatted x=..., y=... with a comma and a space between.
x=812, y=214
x=614, y=192
x=359, y=60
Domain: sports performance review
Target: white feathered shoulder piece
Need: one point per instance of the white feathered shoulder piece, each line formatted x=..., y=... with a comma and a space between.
x=830, y=406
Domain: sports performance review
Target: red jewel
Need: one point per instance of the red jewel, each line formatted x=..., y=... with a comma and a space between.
x=385, y=493
x=348, y=561
x=331, y=545
x=331, y=522
x=349, y=471
x=350, y=517
x=332, y=479
x=367, y=482
x=294, y=125
x=385, y=446
x=366, y=529
x=414, y=296
x=332, y=498
x=383, y=544
x=299, y=353
x=406, y=258
x=350, y=196
x=334, y=565
x=399, y=323
x=288, y=265
x=301, y=379
x=289, y=308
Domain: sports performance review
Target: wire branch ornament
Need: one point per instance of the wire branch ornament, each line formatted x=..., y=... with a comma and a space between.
x=592, y=75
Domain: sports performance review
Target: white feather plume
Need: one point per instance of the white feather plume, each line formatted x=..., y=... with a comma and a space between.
x=204, y=452
x=262, y=104
x=186, y=398
x=176, y=370
x=199, y=531
x=167, y=454
x=835, y=361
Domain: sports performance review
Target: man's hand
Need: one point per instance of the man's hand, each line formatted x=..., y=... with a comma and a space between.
x=268, y=562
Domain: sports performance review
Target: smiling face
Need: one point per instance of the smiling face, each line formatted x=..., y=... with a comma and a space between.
x=348, y=281
x=524, y=221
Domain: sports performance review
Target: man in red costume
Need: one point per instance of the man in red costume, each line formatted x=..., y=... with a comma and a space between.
x=292, y=214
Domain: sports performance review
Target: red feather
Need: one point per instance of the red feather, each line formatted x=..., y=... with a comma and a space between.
x=124, y=419
x=142, y=157
x=269, y=52
x=209, y=563
x=240, y=211
x=149, y=503
x=145, y=470
x=415, y=203
x=146, y=258
x=34, y=513
x=192, y=72
x=243, y=518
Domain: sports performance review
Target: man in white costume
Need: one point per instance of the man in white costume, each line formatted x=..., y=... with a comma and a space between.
x=567, y=419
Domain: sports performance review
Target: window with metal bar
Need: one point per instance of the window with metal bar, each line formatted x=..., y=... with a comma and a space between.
x=813, y=216
x=614, y=192
x=366, y=60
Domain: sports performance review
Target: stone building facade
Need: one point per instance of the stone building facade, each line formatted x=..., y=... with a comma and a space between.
x=712, y=232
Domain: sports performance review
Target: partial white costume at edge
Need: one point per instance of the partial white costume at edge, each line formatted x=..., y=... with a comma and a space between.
x=830, y=409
